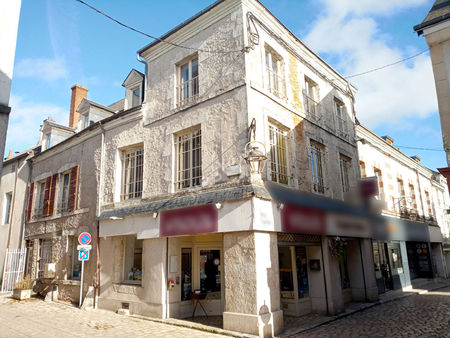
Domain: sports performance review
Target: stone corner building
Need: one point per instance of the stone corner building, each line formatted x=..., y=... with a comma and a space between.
x=160, y=181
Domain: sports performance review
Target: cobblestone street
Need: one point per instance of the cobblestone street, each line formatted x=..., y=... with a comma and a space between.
x=424, y=315
x=37, y=318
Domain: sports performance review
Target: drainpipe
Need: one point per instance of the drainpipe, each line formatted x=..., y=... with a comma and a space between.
x=27, y=193
x=138, y=57
x=99, y=209
x=167, y=278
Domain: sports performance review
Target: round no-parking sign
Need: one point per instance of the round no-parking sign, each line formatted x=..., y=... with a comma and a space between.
x=84, y=238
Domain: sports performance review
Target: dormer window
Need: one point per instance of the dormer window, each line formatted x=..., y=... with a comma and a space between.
x=134, y=89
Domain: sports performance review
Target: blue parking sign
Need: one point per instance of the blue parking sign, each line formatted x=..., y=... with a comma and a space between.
x=83, y=255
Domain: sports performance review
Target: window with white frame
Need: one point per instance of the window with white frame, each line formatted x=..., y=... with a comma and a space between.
x=132, y=173
x=39, y=199
x=379, y=176
x=86, y=120
x=317, y=161
x=344, y=164
x=136, y=97
x=188, y=84
x=278, y=154
x=132, y=260
x=339, y=109
x=311, y=98
x=274, y=73
x=64, y=191
x=7, y=208
x=188, y=159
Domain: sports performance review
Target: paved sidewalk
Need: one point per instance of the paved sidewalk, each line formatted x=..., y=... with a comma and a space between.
x=36, y=318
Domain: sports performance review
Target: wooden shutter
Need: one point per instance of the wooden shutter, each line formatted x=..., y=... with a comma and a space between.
x=73, y=189
x=46, y=205
x=51, y=206
x=30, y=201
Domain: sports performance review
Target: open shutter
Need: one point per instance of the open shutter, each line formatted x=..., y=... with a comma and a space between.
x=46, y=204
x=73, y=187
x=51, y=207
x=30, y=201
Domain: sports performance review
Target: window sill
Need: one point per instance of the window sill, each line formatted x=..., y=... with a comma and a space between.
x=130, y=289
x=58, y=215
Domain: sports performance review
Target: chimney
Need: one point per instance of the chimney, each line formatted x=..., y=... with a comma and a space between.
x=10, y=153
x=416, y=158
x=388, y=139
x=78, y=94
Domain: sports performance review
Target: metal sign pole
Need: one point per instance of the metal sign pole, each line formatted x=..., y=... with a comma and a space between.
x=81, y=284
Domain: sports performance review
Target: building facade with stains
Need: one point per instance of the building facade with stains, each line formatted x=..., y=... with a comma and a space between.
x=182, y=215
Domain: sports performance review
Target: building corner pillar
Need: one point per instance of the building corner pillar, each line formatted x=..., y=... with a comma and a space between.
x=252, y=287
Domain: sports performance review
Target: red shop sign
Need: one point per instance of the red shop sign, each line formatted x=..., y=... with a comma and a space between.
x=302, y=220
x=189, y=221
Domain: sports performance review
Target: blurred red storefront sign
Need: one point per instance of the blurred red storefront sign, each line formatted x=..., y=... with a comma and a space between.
x=189, y=221
x=302, y=220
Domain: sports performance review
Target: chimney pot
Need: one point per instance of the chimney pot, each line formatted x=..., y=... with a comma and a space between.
x=10, y=153
x=78, y=94
x=416, y=158
x=388, y=139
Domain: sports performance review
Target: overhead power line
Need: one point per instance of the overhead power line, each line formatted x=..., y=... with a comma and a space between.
x=416, y=148
x=388, y=65
x=155, y=37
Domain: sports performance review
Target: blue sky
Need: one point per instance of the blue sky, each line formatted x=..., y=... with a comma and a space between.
x=61, y=43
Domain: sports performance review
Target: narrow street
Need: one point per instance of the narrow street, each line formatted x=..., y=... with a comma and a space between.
x=422, y=315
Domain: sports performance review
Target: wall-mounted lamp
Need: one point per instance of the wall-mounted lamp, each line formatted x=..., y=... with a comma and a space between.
x=255, y=156
x=115, y=218
x=155, y=214
x=254, y=151
x=218, y=205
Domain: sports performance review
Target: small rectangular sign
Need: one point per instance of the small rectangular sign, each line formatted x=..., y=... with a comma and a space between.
x=189, y=221
x=83, y=255
x=84, y=247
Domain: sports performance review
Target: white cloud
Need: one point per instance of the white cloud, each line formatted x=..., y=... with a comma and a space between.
x=45, y=69
x=349, y=33
x=25, y=119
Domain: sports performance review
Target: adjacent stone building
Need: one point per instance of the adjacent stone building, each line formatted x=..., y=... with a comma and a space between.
x=414, y=202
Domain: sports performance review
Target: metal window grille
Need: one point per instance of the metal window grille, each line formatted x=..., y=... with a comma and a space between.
x=340, y=118
x=345, y=168
x=64, y=192
x=188, y=158
x=45, y=255
x=278, y=154
x=132, y=174
x=13, y=268
x=275, y=81
x=188, y=83
x=317, y=168
x=310, y=99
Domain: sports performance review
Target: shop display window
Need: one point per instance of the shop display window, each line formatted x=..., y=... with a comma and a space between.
x=133, y=260
x=210, y=270
x=186, y=274
x=286, y=280
x=302, y=271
